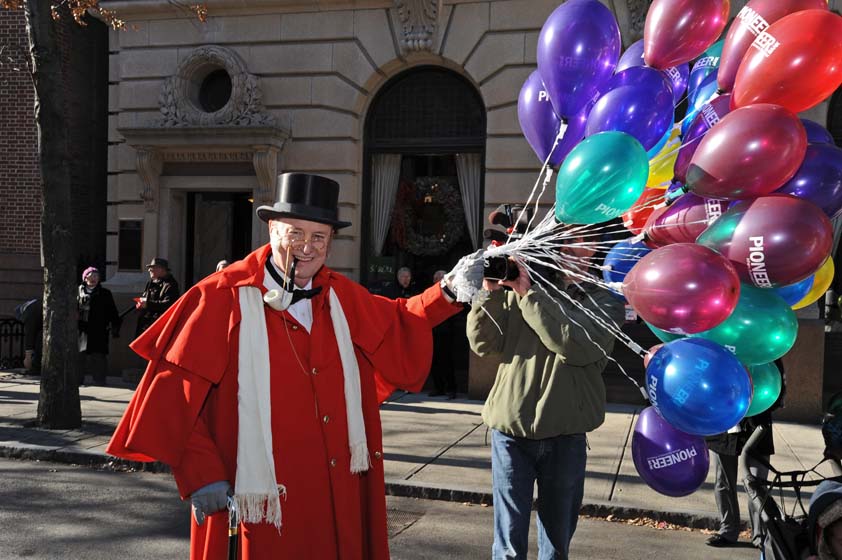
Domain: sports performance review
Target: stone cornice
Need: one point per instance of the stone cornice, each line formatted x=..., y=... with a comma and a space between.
x=152, y=9
x=229, y=137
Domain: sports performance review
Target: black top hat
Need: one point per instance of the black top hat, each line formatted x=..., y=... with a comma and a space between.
x=306, y=197
x=158, y=261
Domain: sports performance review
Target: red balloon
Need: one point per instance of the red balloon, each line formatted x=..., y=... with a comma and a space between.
x=751, y=152
x=683, y=288
x=683, y=220
x=752, y=20
x=795, y=63
x=773, y=240
x=677, y=31
x=635, y=217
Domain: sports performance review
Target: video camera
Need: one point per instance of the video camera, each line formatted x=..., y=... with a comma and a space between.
x=515, y=220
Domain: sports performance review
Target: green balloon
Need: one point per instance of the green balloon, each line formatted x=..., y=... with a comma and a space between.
x=602, y=177
x=714, y=50
x=664, y=336
x=761, y=329
x=766, y=379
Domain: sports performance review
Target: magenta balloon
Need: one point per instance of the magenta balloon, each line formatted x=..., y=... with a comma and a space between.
x=683, y=288
x=751, y=152
x=709, y=115
x=773, y=240
x=540, y=124
x=683, y=220
x=677, y=31
x=753, y=19
x=668, y=460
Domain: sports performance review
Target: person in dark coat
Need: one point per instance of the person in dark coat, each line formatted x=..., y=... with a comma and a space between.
x=726, y=450
x=97, y=316
x=160, y=293
x=442, y=368
x=404, y=287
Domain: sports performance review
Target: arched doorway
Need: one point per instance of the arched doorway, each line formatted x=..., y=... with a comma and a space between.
x=423, y=175
x=423, y=186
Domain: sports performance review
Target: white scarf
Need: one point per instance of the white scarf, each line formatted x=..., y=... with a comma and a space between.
x=257, y=491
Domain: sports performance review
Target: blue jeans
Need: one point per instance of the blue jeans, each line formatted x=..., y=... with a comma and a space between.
x=558, y=465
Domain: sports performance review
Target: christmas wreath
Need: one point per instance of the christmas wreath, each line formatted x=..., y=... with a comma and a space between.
x=409, y=207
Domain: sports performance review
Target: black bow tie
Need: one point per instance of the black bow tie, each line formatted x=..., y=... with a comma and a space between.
x=298, y=294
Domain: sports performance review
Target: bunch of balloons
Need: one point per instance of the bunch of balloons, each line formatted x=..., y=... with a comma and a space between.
x=728, y=209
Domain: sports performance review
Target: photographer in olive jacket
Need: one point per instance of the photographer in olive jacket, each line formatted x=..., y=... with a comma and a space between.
x=547, y=394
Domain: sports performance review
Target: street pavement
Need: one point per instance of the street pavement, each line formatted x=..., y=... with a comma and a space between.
x=68, y=512
x=434, y=449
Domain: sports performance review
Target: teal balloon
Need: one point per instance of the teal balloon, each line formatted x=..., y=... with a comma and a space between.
x=602, y=177
x=663, y=335
x=767, y=383
x=761, y=329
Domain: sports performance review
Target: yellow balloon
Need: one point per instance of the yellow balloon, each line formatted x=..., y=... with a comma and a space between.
x=662, y=164
x=824, y=276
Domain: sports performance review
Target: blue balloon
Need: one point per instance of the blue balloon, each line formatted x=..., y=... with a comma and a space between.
x=677, y=75
x=794, y=293
x=652, y=152
x=819, y=179
x=637, y=101
x=698, y=386
x=699, y=99
x=621, y=258
x=816, y=133
x=706, y=65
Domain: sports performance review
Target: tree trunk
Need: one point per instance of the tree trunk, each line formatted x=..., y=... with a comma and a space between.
x=58, y=405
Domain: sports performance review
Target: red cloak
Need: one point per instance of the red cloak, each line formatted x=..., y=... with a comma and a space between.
x=184, y=412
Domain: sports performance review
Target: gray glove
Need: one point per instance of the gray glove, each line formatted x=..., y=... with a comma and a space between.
x=466, y=277
x=210, y=499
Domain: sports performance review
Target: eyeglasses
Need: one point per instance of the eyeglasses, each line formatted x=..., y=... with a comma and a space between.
x=297, y=240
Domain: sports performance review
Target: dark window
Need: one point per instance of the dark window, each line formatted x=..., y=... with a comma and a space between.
x=834, y=117
x=130, y=245
x=430, y=106
x=215, y=91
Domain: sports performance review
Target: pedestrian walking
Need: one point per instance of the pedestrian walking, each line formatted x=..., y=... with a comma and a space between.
x=264, y=383
x=404, y=287
x=548, y=393
x=97, y=317
x=159, y=294
x=725, y=454
x=442, y=369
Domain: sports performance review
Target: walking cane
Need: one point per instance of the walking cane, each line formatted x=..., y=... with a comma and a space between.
x=233, y=528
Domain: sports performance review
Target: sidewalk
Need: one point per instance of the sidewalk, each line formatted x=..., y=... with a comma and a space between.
x=434, y=449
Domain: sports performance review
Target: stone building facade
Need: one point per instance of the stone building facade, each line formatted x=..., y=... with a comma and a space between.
x=203, y=116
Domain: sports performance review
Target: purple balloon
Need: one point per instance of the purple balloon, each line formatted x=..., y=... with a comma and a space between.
x=816, y=133
x=819, y=179
x=708, y=116
x=578, y=49
x=540, y=124
x=669, y=461
x=677, y=75
x=638, y=101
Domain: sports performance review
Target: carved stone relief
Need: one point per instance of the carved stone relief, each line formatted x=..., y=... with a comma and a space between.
x=179, y=92
x=637, y=17
x=418, y=19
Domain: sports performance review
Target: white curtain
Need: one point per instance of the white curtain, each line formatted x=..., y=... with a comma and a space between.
x=468, y=169
x=386, y=171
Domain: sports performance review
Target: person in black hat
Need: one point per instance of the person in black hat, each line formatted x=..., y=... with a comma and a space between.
x=264, y=387
x=160, y=293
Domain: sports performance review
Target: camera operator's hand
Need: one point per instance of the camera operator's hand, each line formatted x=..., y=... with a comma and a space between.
x=491, y=285
x=522, y=283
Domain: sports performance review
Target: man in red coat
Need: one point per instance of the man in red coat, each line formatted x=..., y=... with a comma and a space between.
x=264, y=383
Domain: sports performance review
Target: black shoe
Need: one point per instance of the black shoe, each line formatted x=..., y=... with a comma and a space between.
x=719, y=541
x=451, y=396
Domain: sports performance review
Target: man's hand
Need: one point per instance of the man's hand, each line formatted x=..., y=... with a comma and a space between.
x=490, y=285
x=210, y=499
x=522, y=283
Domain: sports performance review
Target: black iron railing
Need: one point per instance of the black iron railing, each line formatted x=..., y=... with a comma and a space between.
x=11, y=344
